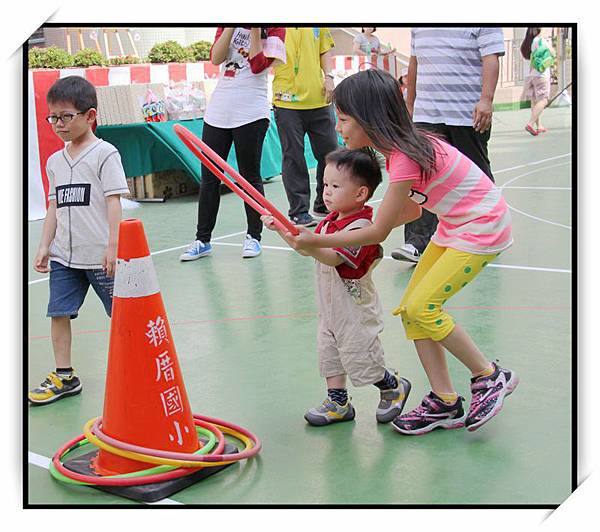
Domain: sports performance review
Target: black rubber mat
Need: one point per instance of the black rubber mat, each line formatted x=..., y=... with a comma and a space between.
x=147, y=492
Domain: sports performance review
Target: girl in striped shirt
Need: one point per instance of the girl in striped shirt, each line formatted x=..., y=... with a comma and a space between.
x=474, y=227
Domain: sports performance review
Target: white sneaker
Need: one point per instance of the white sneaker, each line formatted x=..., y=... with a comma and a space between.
x=406, y=252
x=252, y=248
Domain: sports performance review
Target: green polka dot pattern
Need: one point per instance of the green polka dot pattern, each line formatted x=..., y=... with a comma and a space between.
x=447, y=288
x=438, y=322
x=431, y=306
x=468, y=269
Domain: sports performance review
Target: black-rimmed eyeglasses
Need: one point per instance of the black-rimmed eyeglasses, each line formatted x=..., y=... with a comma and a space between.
x=65, y=118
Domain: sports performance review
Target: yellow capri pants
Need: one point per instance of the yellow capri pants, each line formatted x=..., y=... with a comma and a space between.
x=439, y=274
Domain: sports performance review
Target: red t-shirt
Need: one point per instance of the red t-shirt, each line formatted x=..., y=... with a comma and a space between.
x=357, y=260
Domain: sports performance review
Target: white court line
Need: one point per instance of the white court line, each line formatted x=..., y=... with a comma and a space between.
x=158, y=252
x=388, y=257
x=44, y=462
x=39, y=460
x=538, y=219
x=378, y=201
x=532, y=163
x=536, y=188
x=552, y=270
x=532, y=172
x=530, y=215
x=186, y=245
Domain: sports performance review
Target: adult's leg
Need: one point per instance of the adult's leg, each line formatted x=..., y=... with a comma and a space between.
x=248, y=141
x=472, y=144
x=536, y=111
x=209, y=196
x=294, y=171
x=541, y=94
x=419, y=232
x=320, y=125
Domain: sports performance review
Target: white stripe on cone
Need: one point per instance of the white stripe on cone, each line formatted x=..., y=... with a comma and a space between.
x=135, y=278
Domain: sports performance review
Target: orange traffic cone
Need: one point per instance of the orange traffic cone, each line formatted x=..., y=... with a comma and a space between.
x=145, y=400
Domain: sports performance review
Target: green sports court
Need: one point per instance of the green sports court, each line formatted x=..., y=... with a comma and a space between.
x=245, y=334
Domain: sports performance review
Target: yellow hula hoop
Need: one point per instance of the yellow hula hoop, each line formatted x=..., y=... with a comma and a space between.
x=164, y=461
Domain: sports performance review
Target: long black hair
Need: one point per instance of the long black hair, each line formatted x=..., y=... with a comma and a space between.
x=374, y=99
x=531, y=34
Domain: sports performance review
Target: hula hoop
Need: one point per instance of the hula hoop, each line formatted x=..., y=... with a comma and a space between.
x=155, y=456
x=108, y=481
x=249, y=194
x=134, y=474
x=189, y=466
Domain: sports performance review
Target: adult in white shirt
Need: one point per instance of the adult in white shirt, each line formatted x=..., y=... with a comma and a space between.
x=238, y=113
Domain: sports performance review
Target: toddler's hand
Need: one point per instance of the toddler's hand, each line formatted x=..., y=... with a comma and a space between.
x=269, y=222
x=302, y=240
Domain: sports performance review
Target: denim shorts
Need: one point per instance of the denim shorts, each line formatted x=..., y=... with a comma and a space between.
x=69, y=286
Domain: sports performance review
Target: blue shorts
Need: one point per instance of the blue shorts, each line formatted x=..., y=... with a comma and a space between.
x=69, y=286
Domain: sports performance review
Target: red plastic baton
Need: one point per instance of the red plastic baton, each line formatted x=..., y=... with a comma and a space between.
x=249, y=194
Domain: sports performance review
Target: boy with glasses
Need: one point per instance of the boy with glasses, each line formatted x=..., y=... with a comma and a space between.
x=78, y=246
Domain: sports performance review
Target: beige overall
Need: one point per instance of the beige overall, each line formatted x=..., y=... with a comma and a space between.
x=350, y=320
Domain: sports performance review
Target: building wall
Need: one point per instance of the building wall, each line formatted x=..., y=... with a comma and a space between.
x=513, y=68
x=143, y=38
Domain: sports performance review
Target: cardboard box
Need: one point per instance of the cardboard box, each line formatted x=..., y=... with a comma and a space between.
x=103, y=117
x=169, y=184
x=131, y=186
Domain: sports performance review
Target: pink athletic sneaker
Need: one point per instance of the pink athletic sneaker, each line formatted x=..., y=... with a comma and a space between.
x=488, y=395
x=431, y=414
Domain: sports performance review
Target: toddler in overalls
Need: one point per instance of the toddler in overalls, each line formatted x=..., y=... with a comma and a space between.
x=350, y=316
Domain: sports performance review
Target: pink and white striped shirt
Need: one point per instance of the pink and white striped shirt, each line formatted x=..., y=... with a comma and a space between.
x=472, y=213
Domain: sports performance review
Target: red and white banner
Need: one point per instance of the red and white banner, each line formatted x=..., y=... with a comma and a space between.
x=43, y=142
x=344, y=65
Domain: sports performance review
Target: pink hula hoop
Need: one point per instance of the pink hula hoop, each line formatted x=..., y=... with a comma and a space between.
x=199, y=420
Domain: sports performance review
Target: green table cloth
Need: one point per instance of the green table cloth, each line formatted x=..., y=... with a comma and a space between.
x=153, y=147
